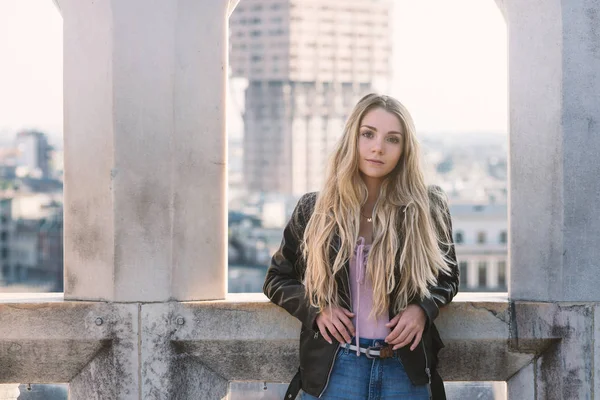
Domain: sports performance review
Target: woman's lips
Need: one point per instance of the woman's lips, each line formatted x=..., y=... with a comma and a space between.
x=375, y=162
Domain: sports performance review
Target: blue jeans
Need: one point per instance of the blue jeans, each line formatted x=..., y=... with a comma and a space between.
x=360, y=378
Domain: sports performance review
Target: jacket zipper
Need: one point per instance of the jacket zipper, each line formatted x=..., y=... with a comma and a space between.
x=335, y=355
x=427, y=371
x=329, y=373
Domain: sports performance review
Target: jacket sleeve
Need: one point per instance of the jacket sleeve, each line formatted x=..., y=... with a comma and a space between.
x=446, y=287
x=283, y=283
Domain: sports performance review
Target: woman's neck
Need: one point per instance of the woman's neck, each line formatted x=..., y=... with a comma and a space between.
x=373, y=186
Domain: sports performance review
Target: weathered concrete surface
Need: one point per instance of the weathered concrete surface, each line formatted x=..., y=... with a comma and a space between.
x=194, y=380
x=242, y=338
x=34, y=337
x=178, y=350
x=244, y=327
x=596, y=350
x=476, y=334
x=565, y=370
x=247, y=338
x=554, y=90
x=114, y=371
x=522, y=384
x=144, y=94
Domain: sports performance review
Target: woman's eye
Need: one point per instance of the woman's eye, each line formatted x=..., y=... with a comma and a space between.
x=393, y=139
x=367, y=134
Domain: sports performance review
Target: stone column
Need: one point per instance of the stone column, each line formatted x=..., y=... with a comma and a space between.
x=554, y=87
x=145, y=149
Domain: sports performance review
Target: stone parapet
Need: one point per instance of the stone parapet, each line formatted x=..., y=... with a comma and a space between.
x=194, y=349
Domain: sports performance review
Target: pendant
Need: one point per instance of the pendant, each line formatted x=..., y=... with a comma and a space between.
x=369, y=219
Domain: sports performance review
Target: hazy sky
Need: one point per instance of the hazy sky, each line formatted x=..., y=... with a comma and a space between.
x=30, y=65
x=450, y=65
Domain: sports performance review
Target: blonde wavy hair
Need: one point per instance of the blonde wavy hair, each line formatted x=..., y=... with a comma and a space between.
x=409, y=222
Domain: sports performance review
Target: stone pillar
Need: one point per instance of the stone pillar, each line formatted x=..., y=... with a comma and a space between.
x=554, y=147
x=145, y=149
x=554, y=87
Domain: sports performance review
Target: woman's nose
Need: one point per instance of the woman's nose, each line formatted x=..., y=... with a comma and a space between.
x=378, y=146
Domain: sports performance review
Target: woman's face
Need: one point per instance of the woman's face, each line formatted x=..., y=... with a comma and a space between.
x=380, y=143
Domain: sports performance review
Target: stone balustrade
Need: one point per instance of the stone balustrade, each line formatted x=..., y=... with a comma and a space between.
x=195, y=349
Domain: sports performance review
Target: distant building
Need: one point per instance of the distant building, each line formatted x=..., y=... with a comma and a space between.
x=5, y=229
x=31, y=241
x=307, y=62
x=24, y=253
x=7, y=172
x=36, y=253
x=481, y=240
x=480, y=236
x=51, y=260
x=33, y=154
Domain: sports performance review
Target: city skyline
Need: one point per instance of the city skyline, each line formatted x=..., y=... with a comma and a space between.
x=447, y=87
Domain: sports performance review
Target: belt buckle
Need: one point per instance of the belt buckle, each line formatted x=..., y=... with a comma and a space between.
x=368, y=351
x=384, y=351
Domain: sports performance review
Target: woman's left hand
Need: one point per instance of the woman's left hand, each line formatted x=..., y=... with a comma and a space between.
x=407, y=327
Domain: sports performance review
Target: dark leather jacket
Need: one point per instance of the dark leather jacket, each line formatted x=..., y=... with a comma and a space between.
x=283, y=286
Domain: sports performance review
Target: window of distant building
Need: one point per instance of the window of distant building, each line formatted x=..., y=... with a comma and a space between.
x=459, y=237
x=481, y=237
x=3, y=236
x=502, y=274
x=462, y=267
x=503, y=237
x=482, y=269
x=4, y=253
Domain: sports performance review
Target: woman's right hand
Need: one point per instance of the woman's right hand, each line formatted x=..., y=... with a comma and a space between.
x=337, y=321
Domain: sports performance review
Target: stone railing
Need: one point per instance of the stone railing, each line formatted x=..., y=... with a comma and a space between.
x=181, y=350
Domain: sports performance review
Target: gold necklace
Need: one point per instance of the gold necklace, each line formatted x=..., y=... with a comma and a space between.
x=369, y=219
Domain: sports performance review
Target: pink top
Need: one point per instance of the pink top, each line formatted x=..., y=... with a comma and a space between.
x=361, y=290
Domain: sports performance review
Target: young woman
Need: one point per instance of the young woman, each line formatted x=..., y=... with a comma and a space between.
x=365, y=265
